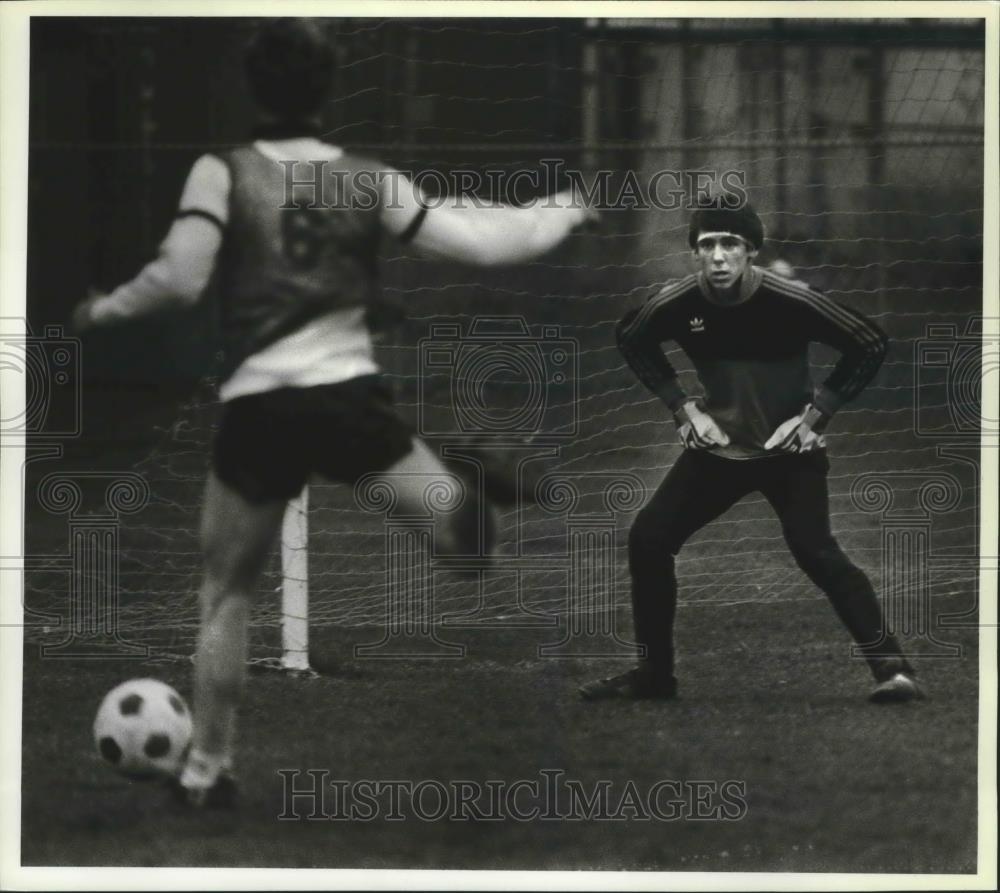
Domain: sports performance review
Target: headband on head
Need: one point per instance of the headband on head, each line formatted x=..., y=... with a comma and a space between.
x=716, y=218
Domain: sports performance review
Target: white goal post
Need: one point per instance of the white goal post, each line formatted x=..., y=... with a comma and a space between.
x=295, y=584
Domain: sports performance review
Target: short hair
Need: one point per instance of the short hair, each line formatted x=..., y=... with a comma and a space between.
x=289, y=66
x=716, y=217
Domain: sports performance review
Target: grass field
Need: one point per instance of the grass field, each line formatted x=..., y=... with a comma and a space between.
x=882, y=211
x=769, y=698
x=769, y=695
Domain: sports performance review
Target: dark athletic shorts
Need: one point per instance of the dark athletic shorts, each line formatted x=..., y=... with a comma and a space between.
x=268, y=444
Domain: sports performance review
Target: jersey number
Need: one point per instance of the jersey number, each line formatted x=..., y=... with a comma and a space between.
x=303, y=234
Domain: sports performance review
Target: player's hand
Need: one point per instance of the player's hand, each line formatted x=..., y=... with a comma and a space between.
x=698, y=430
x=83, y=318
x=799, y=434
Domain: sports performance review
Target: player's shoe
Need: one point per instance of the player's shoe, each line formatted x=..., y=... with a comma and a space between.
x=635, y=685
x=507, y=481
x=205, y=782
x=896, y=689
x=221, y=794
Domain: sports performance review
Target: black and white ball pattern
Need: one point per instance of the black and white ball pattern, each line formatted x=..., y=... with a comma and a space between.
x=143, y=729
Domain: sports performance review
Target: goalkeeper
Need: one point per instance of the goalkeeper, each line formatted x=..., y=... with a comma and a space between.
x=759, y=429
x=302, y=391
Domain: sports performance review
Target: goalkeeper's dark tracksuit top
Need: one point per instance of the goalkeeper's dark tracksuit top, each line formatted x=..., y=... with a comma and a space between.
x=752, y=357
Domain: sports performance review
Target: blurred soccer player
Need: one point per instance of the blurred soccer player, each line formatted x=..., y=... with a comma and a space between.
x=759, y=429
x=785, y=270
x=302, y=392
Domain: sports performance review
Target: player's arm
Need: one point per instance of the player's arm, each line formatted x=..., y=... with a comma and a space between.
x=473, y=233
x=186, y=258
x=641, y=334
x=862, y=345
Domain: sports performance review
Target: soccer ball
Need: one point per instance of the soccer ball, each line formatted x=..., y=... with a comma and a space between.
x=143, y=729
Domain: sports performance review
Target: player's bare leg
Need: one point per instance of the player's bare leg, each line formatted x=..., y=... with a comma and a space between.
x=236, y=539
x=461, y=513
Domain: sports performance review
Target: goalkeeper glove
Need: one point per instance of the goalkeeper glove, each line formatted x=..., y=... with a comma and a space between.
x=800, y=434
x=697, y=429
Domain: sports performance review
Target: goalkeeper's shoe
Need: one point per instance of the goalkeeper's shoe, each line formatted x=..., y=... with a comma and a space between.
x=896, y=689
x=636, y=685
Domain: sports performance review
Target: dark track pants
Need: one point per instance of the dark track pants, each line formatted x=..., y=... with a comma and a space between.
x=700, y=487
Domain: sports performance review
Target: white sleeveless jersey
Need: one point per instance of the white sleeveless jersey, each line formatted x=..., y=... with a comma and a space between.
x=326, y=349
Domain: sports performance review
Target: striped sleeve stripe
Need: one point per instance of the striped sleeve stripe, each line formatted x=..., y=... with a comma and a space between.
x=652, y=375
x=645, y=370
x=830, y=309
x=870, y=339
x=667, y=294
x=856, y=325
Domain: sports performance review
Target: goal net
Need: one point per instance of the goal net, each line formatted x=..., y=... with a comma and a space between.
x=861, y=145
